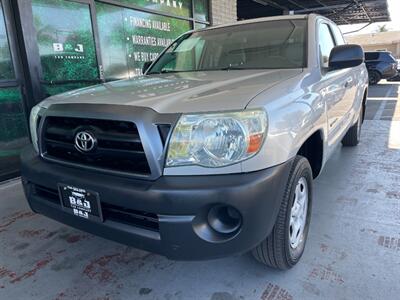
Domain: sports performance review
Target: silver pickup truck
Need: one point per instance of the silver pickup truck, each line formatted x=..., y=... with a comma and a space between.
x=212, y=152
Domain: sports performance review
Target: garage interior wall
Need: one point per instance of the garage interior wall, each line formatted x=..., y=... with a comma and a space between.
x=53, y=46
x=378, y=41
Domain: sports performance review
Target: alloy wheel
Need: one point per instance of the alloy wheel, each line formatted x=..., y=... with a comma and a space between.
x=298, y=214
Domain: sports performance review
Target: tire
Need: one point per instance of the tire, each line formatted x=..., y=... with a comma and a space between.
x=374, y=77
x=353, y=135
x=278, y=250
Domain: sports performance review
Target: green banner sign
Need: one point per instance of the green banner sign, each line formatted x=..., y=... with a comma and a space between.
x=129, y=38
x=176, y=7
x=65, y=40
x=201, y=10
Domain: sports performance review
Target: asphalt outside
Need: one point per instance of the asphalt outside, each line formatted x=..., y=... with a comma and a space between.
x=353, y=251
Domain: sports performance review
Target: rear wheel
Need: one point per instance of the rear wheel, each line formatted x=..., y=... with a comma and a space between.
x=283, y=248
x=374, y=77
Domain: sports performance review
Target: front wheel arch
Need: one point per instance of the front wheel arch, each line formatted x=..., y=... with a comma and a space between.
x=313, y=150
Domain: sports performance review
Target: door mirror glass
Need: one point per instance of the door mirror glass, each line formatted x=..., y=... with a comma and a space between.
x=346, y=56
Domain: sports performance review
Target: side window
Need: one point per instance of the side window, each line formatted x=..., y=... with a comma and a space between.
x=326, y=44
x=371, y=55
x=388, y=57
x=338, y=35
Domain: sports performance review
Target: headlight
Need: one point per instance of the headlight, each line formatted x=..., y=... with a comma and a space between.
x=33, y=120
x=218, y=139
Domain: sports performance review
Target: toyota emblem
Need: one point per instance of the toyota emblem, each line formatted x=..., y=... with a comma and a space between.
x=85, y=141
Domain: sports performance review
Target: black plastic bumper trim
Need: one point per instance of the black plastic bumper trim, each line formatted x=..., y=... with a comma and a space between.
x=180, y=202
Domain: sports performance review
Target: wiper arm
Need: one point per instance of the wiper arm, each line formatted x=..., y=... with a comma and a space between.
x=164, y=72
x=169, y=71
x=205, y=70
x=231, y=68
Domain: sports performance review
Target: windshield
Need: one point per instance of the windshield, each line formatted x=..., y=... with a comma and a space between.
x=262, y=45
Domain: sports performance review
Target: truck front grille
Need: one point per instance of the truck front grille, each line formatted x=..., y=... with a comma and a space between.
x=130, y=217
x=119, y=147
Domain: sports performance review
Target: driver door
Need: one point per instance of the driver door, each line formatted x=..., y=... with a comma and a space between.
x=334, y=88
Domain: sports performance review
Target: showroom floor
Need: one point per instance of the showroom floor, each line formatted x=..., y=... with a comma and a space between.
x=353, y=251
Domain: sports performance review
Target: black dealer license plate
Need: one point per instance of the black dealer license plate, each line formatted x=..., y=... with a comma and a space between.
x=80, y=202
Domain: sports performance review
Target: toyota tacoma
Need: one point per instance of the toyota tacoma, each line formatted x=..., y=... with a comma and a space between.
x=212, y=152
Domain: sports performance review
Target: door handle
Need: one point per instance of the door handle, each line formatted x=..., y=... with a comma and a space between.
x=348, y=82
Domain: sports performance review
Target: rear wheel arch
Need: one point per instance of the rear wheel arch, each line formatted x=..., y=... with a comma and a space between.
x=364, y=104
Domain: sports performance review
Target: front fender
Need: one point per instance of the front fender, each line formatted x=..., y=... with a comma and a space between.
x=291, y=123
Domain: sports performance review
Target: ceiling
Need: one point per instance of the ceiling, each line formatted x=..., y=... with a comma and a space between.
x=340, y=11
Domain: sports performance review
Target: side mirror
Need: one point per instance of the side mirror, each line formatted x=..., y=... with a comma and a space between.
x=346, y=56
x=146, y=65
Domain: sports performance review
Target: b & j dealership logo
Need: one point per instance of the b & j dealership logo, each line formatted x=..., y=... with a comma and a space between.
x=68, y=51
x=169, y=3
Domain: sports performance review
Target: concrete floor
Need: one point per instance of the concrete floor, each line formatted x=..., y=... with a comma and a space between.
x=353, y=251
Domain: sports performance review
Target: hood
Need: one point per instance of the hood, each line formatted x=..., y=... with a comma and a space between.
x=181, y=92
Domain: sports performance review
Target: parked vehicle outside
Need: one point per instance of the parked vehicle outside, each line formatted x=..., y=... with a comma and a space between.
x=397, y=76
x=213, y=151
x=380, y=65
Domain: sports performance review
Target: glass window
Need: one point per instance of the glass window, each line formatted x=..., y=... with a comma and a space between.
x=12, y=120
x=129, y=38
x=6, y=66
x=176, y=7
x=264, y=45
x=66, y=44
x=371, y=55
x=338, y=35
x=388, y=57
x=201, y=10
x=13, y=128
x=326, y=44
x=199, y=25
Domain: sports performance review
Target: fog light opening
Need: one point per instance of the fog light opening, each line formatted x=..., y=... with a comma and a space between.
x=224, y=219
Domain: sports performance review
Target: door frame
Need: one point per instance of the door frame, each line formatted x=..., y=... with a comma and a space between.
x=20, y=79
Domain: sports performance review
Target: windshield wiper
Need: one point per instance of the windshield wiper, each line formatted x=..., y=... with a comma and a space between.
x=205, y=70
x=164, y=72
x=232, y=68
x=169, y=71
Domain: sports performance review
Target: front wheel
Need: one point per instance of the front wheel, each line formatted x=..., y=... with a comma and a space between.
x=283, y=248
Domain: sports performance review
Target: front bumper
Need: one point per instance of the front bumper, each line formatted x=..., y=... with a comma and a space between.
x=180, y=204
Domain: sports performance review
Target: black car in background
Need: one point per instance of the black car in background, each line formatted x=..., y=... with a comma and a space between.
x=380, y=65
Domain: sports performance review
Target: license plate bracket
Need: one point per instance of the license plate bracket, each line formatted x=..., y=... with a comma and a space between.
x=80, y=202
